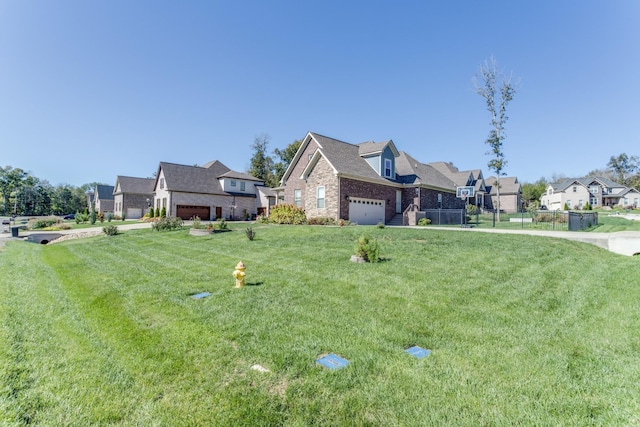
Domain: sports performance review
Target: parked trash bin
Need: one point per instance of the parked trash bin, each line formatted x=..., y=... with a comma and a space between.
x=14, y=231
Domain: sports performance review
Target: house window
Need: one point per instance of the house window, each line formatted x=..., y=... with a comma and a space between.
x=593, y=201
x=161, y=183
x=297, y=197
x=233, y=182
x=575, y=189
x=626, y=201
x=164, y=202
x=593, y=189
x=569, y=204
x=635, y=202
x=320, y=198
x=242, y=185
x=387, y=167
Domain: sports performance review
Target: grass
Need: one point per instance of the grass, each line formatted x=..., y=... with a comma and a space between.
x=523, y=330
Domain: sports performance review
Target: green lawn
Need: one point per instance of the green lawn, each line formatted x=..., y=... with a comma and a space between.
x=523, y=330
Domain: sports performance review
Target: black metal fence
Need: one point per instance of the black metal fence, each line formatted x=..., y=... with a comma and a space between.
x=446, y=216
x=538, y=220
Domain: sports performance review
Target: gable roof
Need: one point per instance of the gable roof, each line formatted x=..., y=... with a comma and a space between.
x=568, y=182
x=460, y=178
x=104, y=192
x=343, y=157
x=413, y=172
x=132, y=185
x=508, y=185
x=370, y=148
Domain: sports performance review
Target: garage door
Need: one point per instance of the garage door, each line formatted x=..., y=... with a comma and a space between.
x=134, y=213
x=366, y=211
x=188, y=212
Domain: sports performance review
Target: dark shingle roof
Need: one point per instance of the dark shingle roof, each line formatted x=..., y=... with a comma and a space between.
x=508, y=184
x=194, y=179
x=411, y=171
x=132, y=185
x=346, y=160
x=105, y=192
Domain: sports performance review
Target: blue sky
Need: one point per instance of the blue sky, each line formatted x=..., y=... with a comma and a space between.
x=94, y=89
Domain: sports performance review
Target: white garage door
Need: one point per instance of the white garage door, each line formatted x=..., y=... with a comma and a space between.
x=366, y=211
x=134, y=213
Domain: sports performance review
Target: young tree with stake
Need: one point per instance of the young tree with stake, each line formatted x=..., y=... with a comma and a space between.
x=497, y=91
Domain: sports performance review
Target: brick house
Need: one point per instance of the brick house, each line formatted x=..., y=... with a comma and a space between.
x=365, y=183
x=510, y=194
x=211, y=191
x=132, y=196
x=103, y=199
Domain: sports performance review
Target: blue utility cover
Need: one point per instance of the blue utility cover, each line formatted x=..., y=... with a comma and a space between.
x=201, y=295
x=418, y=352
x=332, y=361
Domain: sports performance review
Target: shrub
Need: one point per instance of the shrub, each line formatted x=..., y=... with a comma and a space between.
x=151, y=213
x=81, y=218
x=251, y=234
x=380, y=225
x=100, y=217
x=321, y=221
x=110, y=230
x=92, y=218
x=45, y=222
x=110, y=217
x=566, y=206
x=424, y=221
x=287, y=214
x=367, y=248
x=163, y=212
x=197, y=224
x=157, y=214
x=262, y=219
x=167, y=223
x=222, y=224
x=472, y=209
x=123, y=216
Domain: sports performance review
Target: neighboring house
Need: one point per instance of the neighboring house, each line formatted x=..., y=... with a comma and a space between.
x=209, y=192
x=267, y=199
x=103, y=199
x=472, y=178
x=510, y=194
x=132, y=197
x=597, y=191
x=365, y=183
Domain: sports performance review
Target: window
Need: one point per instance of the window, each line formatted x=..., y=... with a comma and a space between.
x=593, y=189
x=387, y=167
x=635, y=202
x=569, y=204
x=320, y=198
x=242, y=185
x=233, y=182
x=297, y=197
x=161, y=183
x=575, y=189
x=164, y=202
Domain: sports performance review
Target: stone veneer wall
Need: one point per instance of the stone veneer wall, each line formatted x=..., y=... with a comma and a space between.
x=368, y=190
x=321, y=175
x=294, y=182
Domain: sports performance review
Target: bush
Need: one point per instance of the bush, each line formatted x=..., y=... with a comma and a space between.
x=380, y=225
x=157, y=214
x=100, y=217
x=81, y=218
x=250, y=233
x=151, y=214
x=368, y=249
x=262, y=219
x=424, y=221
x=287, y=214
x=92, y=218
x=321, y=221
x=37, y=223
x=222, y=224
x=197, y=224
x=163, y=212
x=472, y=210
x=167, y=223
x=110, y=230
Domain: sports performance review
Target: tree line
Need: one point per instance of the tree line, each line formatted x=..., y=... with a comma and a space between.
x=24, y=194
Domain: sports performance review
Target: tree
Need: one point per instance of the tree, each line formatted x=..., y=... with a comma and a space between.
x=261, y=165
x=285, y=156
x=623, y=167
x=10, y=182
x=497, y=90
x=533, y=192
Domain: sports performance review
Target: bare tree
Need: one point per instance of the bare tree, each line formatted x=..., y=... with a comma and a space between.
x=497, y=90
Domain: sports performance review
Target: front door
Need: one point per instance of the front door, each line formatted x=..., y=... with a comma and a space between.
x=218, y=212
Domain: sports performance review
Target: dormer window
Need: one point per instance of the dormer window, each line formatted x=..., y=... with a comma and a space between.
x=387, y=168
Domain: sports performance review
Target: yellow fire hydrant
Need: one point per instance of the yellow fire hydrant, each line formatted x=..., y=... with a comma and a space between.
x=239, y=274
